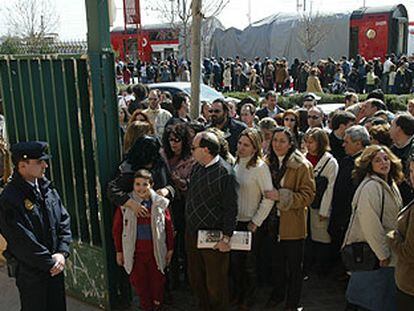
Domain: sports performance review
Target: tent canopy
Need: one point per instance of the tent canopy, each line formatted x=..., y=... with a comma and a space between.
x=278, y=36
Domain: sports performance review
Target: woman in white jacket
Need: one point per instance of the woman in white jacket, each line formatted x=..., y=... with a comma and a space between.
x=254, y=179
x=325, y=165
x=375, y=208
x=227, y=78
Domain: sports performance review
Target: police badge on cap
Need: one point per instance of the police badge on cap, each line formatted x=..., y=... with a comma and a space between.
x=36, y=150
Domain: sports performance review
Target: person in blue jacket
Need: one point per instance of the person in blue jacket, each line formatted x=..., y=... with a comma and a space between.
x=36, y=227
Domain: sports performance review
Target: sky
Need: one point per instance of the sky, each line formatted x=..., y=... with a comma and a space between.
x=73, y=16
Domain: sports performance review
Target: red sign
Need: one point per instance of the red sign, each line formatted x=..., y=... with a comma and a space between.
x=132, y=13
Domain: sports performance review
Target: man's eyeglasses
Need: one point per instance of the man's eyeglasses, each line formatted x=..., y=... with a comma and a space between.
x=290, y=119
x=215, y=111
x=313, y=117
x=152, y=98
x=174, y=139
x=194, y=147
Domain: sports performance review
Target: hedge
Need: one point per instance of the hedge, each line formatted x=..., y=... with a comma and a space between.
x=393, y=102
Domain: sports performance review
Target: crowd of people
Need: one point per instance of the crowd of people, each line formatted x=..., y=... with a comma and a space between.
x=308, y=186
x=393, y=75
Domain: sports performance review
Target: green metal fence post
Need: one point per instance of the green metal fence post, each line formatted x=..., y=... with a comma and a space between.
x=101, y=66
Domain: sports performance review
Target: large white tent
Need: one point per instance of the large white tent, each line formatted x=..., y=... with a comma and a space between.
x=278, y=36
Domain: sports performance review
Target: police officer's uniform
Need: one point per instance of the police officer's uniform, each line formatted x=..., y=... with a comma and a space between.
x=35, y=225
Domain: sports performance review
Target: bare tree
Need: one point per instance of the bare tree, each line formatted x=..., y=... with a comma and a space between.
x=31, y=20
x=187, y=11
x=208, y=28
x=313, y=30
x=178, y=13
x=196, y=57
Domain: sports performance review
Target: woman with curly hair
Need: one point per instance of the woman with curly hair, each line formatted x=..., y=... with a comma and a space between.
x=176, y=152
x=375, y=208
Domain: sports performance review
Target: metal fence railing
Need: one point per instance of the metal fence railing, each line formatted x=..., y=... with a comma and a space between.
x=19, y=47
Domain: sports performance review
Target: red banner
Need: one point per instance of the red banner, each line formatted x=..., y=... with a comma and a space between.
x=146, y=49
x=132, y=12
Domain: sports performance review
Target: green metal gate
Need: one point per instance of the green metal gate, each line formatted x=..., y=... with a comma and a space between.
x=70, y=102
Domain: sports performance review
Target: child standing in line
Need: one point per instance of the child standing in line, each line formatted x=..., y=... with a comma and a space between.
x=144, y=245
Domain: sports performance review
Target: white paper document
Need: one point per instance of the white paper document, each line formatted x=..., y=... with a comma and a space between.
x=241, y=240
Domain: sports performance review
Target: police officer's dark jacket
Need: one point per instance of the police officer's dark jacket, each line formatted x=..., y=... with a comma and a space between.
x=35, y=225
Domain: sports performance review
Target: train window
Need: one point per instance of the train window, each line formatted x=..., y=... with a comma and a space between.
x=401, y=31
x=163, y=35
x=353, y=42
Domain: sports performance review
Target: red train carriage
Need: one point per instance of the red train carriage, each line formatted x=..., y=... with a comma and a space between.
x=157, y=41
x=378, y=31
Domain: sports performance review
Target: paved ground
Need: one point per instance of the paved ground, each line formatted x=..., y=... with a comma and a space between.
x=9, y=298
x=319, y=294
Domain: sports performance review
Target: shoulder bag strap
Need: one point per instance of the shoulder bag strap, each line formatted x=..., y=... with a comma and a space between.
x=354, y=213
x=382, y=205
x=323, y=167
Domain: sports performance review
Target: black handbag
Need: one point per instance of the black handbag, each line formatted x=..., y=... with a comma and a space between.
x=321, y=183
x=359, y=256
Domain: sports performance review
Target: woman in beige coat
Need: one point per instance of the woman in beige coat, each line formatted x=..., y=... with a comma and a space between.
x=401, y=241
x=227, y=78
x=375, y=207
x=292, y=177
x=314, y=84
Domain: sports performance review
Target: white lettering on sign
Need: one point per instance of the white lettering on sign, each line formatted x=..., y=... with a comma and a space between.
x=381, y=23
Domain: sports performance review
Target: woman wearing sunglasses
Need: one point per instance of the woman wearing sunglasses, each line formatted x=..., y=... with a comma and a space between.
x=291, y=121
x=177, y=154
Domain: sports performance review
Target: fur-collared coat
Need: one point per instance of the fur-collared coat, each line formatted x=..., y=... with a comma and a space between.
x=295, y=195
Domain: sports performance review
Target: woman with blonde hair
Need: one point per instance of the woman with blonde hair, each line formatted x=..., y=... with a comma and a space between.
x=255, y=82
x=227, y=77
x=139, y=115
x=314, y=84
x=254, y=178
x=375, y=207
x=135, y=130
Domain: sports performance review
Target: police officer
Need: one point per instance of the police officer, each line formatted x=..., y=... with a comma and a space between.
x=36, y=227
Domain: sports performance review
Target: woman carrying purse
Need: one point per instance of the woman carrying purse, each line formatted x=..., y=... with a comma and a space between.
x=375, y=206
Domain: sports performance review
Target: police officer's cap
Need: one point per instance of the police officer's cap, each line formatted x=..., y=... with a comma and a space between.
x=29, y=150
x=311, y=96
